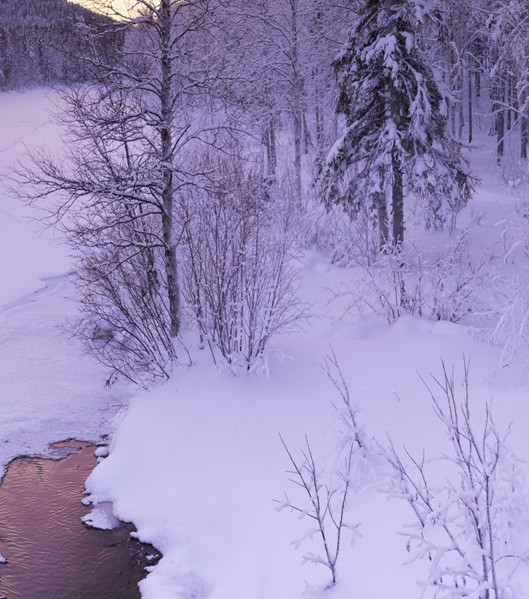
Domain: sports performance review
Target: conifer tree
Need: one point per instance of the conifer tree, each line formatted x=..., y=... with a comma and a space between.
x=395, y=141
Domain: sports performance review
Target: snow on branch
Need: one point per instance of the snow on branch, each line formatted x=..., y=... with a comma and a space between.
x=469, y=503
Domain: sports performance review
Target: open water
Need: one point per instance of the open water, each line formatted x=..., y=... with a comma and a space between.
x=50, y=553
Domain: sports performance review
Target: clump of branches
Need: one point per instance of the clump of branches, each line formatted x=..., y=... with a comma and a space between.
x=241, y=278
x=464, y=520
x=348, y=240
x=512, y=327
x=124, y=319
x=512, y=330
x=444, y=285
x=116, y=235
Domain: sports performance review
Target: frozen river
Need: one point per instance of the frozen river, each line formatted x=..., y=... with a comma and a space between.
x=49, y=389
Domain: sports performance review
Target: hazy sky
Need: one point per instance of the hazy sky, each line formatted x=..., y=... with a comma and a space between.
x=119, y=5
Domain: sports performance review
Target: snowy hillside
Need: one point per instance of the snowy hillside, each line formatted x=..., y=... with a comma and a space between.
x=199, y=467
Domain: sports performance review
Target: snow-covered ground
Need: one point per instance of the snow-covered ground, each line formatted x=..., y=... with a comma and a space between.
x=198, y=464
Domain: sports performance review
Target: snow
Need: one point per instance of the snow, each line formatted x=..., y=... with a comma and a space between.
x=208, y=504
x=32, y=255
x=101, y=452
x=101, y=516
x=198, y=464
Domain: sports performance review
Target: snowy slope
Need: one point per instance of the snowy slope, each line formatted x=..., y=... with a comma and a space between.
x=197, y=464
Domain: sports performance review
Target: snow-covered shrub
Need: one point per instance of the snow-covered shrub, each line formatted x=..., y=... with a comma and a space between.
x=512, y=330
x=241, y=278
x=124, y=319
x=438, y=285
x=348, y=241
x=468, y=504
x=515, y=174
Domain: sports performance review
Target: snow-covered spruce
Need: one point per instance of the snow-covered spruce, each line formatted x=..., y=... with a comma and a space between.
x=395, y=142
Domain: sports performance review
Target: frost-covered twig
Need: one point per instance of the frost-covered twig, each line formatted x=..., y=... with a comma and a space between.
x=333, y=371
x=326, y=505
x=325, y=494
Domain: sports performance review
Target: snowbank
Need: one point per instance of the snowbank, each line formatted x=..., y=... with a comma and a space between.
x=197, y=464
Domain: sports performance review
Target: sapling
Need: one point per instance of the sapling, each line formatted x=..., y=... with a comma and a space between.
x=326, y=493
x=349, y=416
x=325, y=505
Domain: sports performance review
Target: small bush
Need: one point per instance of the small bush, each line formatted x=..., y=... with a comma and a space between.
x=465, y=517
x=241, y=279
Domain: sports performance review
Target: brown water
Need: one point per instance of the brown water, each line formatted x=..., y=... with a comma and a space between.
x=50, y=553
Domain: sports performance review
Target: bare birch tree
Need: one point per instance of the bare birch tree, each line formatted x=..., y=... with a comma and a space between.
x=114, y=192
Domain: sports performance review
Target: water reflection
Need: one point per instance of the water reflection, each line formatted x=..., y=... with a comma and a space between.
x=49, y=552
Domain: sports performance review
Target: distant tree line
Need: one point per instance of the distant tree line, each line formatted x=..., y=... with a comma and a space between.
x=43, y=42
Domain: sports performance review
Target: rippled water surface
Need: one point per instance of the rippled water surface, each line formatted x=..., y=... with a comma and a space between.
x=49, y=552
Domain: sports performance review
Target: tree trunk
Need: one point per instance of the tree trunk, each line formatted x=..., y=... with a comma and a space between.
x=296, y=98
x=171, y=267
x=383, y=220
x=523, y=137
x=509, y=94
x=397, y=201
x=270, y=145
x=500, y=134
x=461, y=114
x=320, y=127
x=499, y=117
x=307, y=142
x=470, y=131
